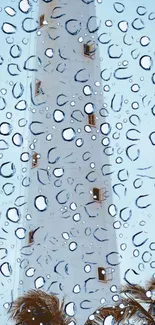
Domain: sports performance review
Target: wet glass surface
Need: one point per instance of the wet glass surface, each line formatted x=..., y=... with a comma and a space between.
x=73, y=234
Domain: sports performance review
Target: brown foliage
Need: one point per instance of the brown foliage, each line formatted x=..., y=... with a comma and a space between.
x=132, y=299
x=38, y=307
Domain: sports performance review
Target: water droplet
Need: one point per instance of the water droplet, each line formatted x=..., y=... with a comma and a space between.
x=41, y=203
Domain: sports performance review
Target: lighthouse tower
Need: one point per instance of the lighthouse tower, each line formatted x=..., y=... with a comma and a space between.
x=76, y=158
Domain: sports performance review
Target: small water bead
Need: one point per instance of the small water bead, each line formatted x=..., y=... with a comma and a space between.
x=39, y=282
x=123, y=246
x=117, y=225
x=108, y=23
x=92, y=165
x=68, y=134
x=20, y=233
x=135, y=105
x=97, y=84
x=9, y=115
x=77, y=288
x=41, y=203
x=145, y=40
x=87, y=129
x=136, y=253
x=17, y=139
x=119, y=126
x=146, y=62
x=72, y=103
x=105, y=141
x=113, y=288
x=135, y=88
x=87, y=90
x=5, y=128
x=119, y=160
x=73, y=246
x=125, y=63
x=49, y=137
x=70, y=309
x=77, y=217
x=3, y=91
x=58, y=172
x=58, y=115
x=106, y=88
x=89, y=108
x=73, y=206
x=10, y=11
x=65, y=235
x=30, y=272
x=79, y=142
x=105, y=128
x=123, y=26
x=102, y=301
x=112, y=210
x=49, y=53
x=148, y=294
x=142, y=223
x=87, y=268
x=80, y=39
x=115, y=298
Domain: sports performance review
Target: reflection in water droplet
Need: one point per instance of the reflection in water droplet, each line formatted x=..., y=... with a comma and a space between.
x=58, y=172
x=136, y=253
x=28, y=217
x=79, y=142
x=117, y=225
x=65, y=235
x=70, y=309
x=49, y=53
x=135, y=88
x=87, y=268
x=123, y=247
x=5, y=128
x=89, y=108
x=77, y=288
x=123, y=26
x=8, y=28
x=39, y=282
x=144, y=40
x=135, y=105
x=113, y=288
x=146, y=62
x=108, y=23
x=17, y=139
x=68, y=134
x=41, y=203
x=20, y=233
x=115, y=298
x=105, y=128
x=87, y=90
x=112, y=210
x=30, y=272
x=10, y=11
x=73, y=246
x=13, y=214
x=76, y=217
x=6, y=269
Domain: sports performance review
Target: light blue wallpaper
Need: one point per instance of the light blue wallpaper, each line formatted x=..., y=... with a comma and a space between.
x=74, y=235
